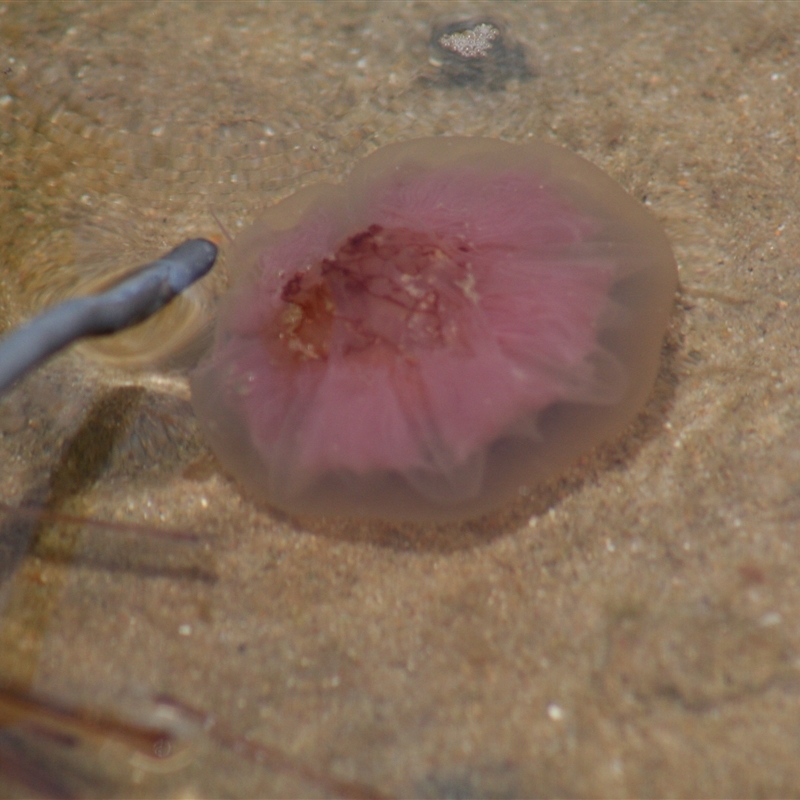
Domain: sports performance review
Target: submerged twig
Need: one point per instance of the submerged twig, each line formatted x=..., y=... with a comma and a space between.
x=129, y=302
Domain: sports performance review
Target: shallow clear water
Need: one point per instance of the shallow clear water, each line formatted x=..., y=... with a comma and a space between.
x=629, y=630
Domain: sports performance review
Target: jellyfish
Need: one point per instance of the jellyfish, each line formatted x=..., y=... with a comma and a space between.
x=461, y=318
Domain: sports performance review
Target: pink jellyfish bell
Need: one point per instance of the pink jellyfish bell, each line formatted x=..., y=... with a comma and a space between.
x=463, y=317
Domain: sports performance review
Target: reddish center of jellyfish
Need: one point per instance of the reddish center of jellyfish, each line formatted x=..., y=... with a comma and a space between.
x=387, y=289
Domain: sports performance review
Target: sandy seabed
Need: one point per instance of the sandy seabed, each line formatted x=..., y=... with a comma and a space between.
x=632, y=629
